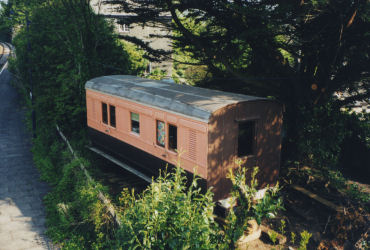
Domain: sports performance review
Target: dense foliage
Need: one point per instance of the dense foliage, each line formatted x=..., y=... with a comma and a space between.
x=257, y=47
x=76, y=219
x=170, y=214
x=175, y=214
x=64, y=45
x=167, y=215
x=271, y=47
x=298, y=52
x=5, y=26
x=251, y=204
x=333, y=139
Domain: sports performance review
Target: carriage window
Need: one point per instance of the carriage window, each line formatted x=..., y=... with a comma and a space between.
x=246, y=138
x=112, y=113
x=104, y=113
x=161, y=133
x=172, y=137
x=135, y=123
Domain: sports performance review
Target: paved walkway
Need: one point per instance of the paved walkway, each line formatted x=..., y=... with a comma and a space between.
x=22, y=215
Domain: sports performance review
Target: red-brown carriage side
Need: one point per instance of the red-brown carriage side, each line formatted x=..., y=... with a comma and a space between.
x=157, y=122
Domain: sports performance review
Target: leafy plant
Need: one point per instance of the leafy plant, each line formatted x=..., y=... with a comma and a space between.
x=357, y=193
x=273, y=236
x=328, y=139
x=248, y=207
x=157, y=74
x=70, y=45
x=168, y=215
x=5, y=26
x=305, y=238
x=282, y=227
x=316, y=145
x=138, y=63
x=292, y=237
x=76, y=219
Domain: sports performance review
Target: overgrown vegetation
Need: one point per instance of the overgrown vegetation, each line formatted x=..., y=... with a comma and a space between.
x=76, y=218
x=250, y=207
x=139, y=63
x=62, y=46
x=252, y=47
x=333, y=139
x=168, y=215
x=171, y=214
x=63, y=56
x=5, y=26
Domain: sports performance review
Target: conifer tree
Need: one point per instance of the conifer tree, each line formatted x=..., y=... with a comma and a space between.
x=300, y=52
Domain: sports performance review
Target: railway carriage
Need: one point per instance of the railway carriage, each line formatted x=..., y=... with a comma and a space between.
x=158, y=123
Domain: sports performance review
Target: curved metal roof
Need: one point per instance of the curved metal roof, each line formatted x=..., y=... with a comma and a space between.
x=191, y=101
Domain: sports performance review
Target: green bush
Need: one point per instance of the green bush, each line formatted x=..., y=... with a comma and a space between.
x=320, y=138
x=5, y=26
x=138, y=62
x=171, y=214
x=249, y=206
x=157, y=74
x=69, y=45
x=327, y=136
x=168, y=216
x=76, y=218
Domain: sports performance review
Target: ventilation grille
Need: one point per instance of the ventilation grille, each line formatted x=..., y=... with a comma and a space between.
x=192, y=145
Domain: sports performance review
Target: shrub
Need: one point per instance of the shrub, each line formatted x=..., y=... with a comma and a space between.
x=248, y=205
x=69, y=45
x=329, y=135
x=138, y=64
x=76, y=218
x=168, y=215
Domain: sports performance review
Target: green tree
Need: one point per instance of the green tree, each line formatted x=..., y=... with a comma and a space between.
x=65, y=45
x=69, y=45
x=5, y=25
x=298, y=52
